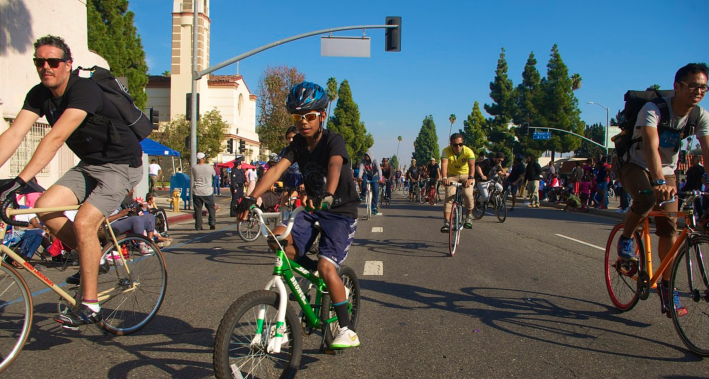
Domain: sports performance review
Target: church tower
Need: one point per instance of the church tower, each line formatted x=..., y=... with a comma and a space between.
x=181, y=65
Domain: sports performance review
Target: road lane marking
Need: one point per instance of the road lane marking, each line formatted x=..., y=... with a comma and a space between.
x=378, y=229
x=581, y=242
x=373, y=268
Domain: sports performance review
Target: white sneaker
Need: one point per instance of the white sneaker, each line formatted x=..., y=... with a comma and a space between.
x=143, y=248
x=344, y=339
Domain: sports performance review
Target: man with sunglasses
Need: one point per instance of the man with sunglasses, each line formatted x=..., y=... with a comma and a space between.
x=110, y=154
x=325, y=164
x=457, y=165
x=651, y=167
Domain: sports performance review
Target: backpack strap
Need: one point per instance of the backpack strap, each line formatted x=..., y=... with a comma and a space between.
x=692, y=121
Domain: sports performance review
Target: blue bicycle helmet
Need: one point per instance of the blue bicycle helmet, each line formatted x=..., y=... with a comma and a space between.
x=306, y=96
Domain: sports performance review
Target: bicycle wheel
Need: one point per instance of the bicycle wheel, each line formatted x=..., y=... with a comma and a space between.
x=249, y=230
x=454, y=223
x=369, y=205
x=479, y=207
x=130, y=300
x=15, y=314
x=432, y=195
x=621, y=276
x=349, y=279
x=691, y=280
x=241, y=350
x=500, y=207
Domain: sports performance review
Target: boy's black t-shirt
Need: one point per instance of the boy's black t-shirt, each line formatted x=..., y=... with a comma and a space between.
x=313, y=165
x=485, y=167
x=94, y=142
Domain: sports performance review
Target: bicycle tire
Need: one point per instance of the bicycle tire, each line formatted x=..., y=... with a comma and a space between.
x=454, y=224
x=622, y=277
x=17, y=314
x=479, y=207
x=369, y=205
x=693, y=296
x=235, y=336
x=500, y=207
x=135, y=297
x=432, y=196
x=249, y=230
x=351, y=282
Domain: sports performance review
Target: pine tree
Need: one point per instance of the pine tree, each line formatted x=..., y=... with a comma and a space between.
x=273, y=119
x=473, y=131
x=559, y=106
x=346, y=123
x=112, y=35
x=502, y=109
x=529, y=97
x=426, y=143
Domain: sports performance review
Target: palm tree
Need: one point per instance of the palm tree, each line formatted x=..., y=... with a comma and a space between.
x=452, y=120
x=331, y=93
x=575, y=82
x=397, y=147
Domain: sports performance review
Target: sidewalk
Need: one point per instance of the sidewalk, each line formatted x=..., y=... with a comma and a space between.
x=612, y=211
x=178, y=216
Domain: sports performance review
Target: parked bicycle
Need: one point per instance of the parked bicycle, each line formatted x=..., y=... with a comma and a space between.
x=629, y=281
x=261, y=336
x=131, y=286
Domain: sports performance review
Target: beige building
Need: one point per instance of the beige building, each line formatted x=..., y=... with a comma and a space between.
x=227, y=93
x=21, y=23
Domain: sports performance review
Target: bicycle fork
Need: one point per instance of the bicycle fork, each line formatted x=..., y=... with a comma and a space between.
x=276, y=336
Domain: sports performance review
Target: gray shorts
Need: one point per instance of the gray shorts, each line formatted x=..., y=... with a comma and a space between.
x=103, y=186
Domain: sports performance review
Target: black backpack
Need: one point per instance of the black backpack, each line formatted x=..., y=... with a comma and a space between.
x=118, y=95
x=634, y=102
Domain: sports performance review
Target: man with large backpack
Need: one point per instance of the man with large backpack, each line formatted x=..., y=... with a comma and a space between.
x=652, y=159
x=81, y=115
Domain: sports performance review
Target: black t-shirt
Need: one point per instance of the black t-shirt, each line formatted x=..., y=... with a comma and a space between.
x=694, y=178
x=313, y=165
x=413, y=173
x=517, y=171
x=94, y=142
x=433, y=171
x=485, y=167
x=386, y=172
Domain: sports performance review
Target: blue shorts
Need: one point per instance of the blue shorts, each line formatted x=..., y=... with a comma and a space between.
x=338, y=235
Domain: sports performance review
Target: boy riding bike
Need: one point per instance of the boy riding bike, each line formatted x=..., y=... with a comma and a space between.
x=325, y=165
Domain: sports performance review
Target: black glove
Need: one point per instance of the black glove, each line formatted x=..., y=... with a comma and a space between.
x=9, y=189
x=245, y=204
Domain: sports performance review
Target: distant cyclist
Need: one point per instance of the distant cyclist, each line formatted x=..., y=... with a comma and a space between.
x=413, y=175
x=515, y=177
x=434, y=174
x=369, y=171
x=387, y=175
x=487, y=170
x=457, y=165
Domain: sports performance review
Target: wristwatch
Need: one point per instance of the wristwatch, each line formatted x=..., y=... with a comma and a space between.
x=659, y=182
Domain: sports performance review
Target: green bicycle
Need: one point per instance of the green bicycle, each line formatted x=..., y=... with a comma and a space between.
x=261, y=336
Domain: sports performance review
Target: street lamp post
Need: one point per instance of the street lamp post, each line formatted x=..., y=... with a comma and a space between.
x=605, y=143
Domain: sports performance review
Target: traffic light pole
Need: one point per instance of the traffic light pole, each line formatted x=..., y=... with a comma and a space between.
x=568, y=132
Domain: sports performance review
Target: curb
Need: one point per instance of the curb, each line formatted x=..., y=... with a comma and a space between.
x=599, y=212
x=184, y=217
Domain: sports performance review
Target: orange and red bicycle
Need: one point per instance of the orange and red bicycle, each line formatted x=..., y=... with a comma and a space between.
x=629, y=281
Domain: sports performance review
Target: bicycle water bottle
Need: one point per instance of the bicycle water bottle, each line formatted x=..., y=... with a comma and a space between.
x=124, y=251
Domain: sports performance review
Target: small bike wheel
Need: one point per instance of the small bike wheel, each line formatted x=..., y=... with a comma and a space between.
x=454, y=223
x=500, y=207
x=16, y=310
x=622, y=276
x=690, y=306
x=349, y=279
x=132, y=290
x=369, y=205
x=249, y=229
x=479, y=207
x=244, y=342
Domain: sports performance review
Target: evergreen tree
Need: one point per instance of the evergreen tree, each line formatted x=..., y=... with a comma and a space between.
x=595, y=132
x=273, y=119
x=473, y=131
x=345, y=122
x=502, y=109
x=559, y=106
x=529, y=97
x=394, y=162
x=426, y=143
x=210, y=133
x=112, y=34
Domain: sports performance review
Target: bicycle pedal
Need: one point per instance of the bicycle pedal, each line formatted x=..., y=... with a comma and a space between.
x=71, y=328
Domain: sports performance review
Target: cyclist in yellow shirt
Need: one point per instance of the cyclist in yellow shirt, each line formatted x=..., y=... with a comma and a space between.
x=457, y=165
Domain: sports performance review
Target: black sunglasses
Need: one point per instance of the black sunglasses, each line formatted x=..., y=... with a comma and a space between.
x=457, y=144
x=53, y=62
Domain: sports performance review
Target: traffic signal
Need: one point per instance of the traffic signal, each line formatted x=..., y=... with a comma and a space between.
x=392, y=40
x=155, y=118
x=524, y=129
x=230, y=146
x=242, y=147
x=188, y=109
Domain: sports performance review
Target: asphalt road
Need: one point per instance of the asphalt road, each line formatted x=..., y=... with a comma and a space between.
x=525, y=298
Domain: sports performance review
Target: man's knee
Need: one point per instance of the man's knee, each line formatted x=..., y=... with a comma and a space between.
x=666, y=227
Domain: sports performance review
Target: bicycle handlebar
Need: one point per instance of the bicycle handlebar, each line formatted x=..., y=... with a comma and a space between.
x=6, y=204
x=289, y=226
x=685, y=194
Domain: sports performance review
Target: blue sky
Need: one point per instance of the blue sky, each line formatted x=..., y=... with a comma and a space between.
x=450, y=51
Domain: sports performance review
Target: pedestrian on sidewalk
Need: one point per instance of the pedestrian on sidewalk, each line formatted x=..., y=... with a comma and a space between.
x=154, y=171
x=217, y=180
x=533, y=173
x=251, y=179
x=203, y=175
x=236, y=187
